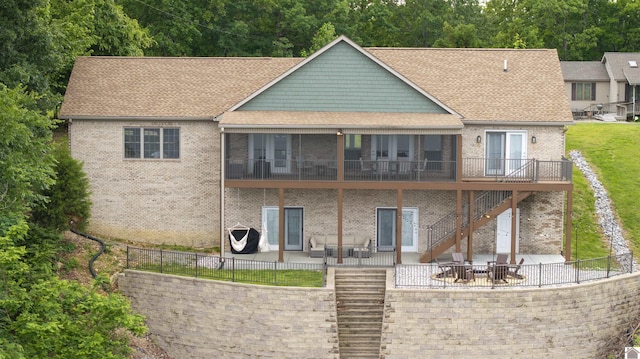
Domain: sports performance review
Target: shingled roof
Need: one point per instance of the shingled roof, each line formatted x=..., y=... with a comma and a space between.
x=584, y=71
x=619, y=64
x=473, y=82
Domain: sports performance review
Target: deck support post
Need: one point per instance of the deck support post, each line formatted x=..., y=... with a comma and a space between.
x=568, y=217
x=281, y=224
x=399, y=228
x=470, y=236
x=514, y=223
x=458, y=220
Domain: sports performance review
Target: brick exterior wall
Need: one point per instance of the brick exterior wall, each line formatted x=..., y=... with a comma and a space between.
x=193, y=318
x=541, y=218
x=152, y=201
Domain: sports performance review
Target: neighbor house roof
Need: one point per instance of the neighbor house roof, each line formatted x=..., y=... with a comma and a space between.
x=584, y=71
x=621, y=66
x=472, y=82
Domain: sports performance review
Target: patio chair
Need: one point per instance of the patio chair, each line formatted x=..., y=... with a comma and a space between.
x=497, y=270
x=513, y=270
x=333, y=166
x=366, y=170
x=450, y=268
x=303, y=166
x=421, y=170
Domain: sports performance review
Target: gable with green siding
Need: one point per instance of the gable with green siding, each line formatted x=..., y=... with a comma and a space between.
x=342, y=79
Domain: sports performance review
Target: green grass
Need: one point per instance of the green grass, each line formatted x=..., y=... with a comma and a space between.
x=611, y=149
x=280, y=277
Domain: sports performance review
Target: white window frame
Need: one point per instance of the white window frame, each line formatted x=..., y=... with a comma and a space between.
x=141, y=151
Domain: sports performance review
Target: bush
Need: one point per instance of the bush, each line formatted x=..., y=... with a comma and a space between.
x=68, y=198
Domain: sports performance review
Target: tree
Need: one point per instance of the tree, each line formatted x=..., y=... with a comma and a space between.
x=68, y=197
x=323, y=36
x=458, y=36
x=26, y=166
x=42, y=316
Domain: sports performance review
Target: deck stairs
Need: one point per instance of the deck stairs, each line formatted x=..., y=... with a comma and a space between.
x=487, y=205
x=360, y=296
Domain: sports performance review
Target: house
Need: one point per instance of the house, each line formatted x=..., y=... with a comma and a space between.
x=606, y=89
x=434, y=146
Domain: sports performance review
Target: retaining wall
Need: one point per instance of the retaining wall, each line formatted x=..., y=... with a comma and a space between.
x=197, y=318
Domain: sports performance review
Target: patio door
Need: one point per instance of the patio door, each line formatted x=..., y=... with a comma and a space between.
x=392, y=147
x=503, y=231
x=386, y=229
x=505, y=152
x=293, y=227
x=275, y=148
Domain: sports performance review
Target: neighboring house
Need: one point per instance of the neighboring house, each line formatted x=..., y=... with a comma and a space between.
x=603, y=89
x=426, y=145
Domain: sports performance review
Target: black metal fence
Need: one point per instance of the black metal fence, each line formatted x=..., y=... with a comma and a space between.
x=227, y=269
x=429, y=275
x=527, y=275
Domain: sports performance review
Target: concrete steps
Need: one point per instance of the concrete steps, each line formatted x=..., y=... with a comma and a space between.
x=360, y=306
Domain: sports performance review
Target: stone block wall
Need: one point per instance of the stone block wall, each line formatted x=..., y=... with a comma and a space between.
x=575, y=321
x=194, y=318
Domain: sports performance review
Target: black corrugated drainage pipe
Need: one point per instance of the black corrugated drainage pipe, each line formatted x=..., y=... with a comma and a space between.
x=95, y=256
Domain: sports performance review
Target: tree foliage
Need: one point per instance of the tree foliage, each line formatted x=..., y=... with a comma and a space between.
x=68, y=198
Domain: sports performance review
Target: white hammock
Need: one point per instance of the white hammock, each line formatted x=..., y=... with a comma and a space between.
x=263, y=245
x=238, y=244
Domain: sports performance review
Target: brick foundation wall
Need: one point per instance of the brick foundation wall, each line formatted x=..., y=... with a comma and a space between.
x=193, y=318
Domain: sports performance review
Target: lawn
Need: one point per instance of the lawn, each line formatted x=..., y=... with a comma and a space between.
x=610, y=149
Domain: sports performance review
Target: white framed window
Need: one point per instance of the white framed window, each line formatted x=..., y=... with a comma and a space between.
x=151, y=142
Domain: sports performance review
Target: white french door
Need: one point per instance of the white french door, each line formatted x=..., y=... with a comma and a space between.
x=503, y=231
x=392, y=147
x=505, y=152
x=293, y=227
x=386, y=229
x=274, y=148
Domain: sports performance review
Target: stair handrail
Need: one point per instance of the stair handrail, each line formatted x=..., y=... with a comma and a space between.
x=483, y=204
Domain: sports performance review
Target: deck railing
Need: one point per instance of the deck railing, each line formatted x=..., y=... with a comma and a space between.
x=529, y=170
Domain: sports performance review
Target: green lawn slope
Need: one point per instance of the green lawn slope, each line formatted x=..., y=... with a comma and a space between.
x=612, y=151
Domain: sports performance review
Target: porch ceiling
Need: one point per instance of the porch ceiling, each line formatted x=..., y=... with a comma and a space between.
x=348, y=122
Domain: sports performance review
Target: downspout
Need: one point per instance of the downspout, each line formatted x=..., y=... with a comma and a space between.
x=633, y=107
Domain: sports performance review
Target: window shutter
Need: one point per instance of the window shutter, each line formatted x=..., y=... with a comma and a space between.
x=593, y=91
x=573, y=91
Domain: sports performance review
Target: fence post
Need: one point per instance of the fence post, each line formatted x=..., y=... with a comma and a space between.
x=540, y=275
x=233, y=269
x=608, y=265
x=631, y=262
x=127, y=257
x=161, y=261
x=196, y=265
x=275, y=269
x=578, y=271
